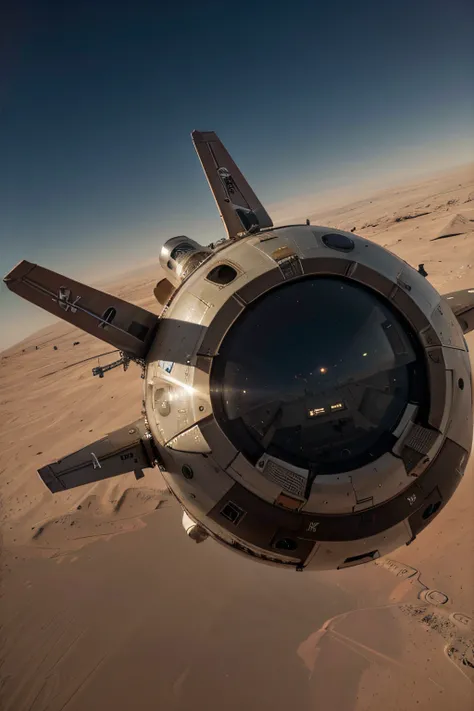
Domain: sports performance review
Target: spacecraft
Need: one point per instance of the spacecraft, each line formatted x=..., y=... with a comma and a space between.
x=307, y=393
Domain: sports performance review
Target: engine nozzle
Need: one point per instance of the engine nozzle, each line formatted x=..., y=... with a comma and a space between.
x=180, y=256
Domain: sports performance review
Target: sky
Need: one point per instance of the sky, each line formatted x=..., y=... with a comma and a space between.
x=98, y=99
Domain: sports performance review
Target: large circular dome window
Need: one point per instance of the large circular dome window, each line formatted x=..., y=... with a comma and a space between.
x=317, y=372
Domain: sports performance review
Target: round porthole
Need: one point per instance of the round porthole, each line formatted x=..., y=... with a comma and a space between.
x=342, y=243
x=187, y=471
x=300, y=408
x=222, y=274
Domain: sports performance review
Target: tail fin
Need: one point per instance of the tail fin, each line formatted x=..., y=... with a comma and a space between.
x=239, y=207
x=125, y=326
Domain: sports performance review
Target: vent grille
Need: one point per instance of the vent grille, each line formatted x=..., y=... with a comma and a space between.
x=421, y=439
x=290, y=267
x=291, y=482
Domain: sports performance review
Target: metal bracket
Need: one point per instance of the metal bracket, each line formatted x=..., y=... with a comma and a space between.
x=124, y=361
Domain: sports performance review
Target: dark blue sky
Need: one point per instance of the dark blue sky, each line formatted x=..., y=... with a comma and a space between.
x=97, y=101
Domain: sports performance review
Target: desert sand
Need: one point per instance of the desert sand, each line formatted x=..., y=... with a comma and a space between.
x=107, y=604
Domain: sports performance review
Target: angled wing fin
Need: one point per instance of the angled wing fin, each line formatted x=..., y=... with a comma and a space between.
x=125, y=326
x=239, y=207
x=461, y=304
x=125, y=450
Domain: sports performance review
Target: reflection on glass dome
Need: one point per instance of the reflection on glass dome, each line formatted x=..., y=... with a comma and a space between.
x=316, y=372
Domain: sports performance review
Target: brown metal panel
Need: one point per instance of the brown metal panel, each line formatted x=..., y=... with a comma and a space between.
x=223, y=451
x=263, y=524
x=444, y=474
x=260, y=285
x=259, y=523
x=410, y=310
x=372, y=278
x=204, y=363
x=177, y=340
x=125, y=326
x=117, y=453
x=439, y=484
x=326, y=265
x=219, y=326
x=231, y=191
x=437, y=385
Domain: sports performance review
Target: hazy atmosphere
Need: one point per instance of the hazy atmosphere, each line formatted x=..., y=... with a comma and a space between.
x=98, y=100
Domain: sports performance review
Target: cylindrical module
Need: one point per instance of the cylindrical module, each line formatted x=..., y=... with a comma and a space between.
x=193, y=529
x=180, y=256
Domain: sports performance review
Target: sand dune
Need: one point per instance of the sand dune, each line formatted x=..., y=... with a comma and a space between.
x=147, y=619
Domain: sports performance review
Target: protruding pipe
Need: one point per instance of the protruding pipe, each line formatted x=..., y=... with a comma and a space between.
x=193, y=529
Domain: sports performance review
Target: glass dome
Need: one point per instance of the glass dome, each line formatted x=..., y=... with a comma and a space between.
x=317, y=372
